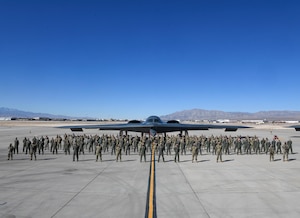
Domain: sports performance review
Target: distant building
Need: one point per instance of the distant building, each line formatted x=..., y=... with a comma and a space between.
x=253, y=121
x=292, y=122
x=5, y=118
x=42, y=118
x=223, y=121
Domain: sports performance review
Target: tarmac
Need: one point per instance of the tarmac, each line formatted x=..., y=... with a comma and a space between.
x=240, y=186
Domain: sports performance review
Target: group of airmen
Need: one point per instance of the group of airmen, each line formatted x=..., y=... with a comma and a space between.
x=116, y=145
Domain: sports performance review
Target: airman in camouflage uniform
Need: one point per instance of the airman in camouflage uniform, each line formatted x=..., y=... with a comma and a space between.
x=268, y=145
x=272, y=152
x=247, y=145
x=16, y=146
x=273, y=144
x=76, y=147
x=98, y=151
x=54, y=145
x=142, y=147
x=285, y=149
x=219, y=151
x=278, y=145
x=33, y=147
x=238, y=146
x=24, y=144
x=113, y=145
x=213, y=145
x=289, y=143
x=41, y=145
x=161, y=148
x=168, y=145
x=66, y=145
x=10, y=151
x=135, y=143
x=194, y=152
x=176, y=150
x=183, y=146
x=27, y=147
x=256, y=145
x=127, y=146
x=263, y=145
x=47, y=143
x=119, y=151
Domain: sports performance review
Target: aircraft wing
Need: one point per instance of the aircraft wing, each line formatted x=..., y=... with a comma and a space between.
x=122, y=127
x=297, y=127
x=158, y=127
x=183, y=127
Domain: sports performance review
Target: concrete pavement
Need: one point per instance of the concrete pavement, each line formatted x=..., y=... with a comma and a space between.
x=55, y=186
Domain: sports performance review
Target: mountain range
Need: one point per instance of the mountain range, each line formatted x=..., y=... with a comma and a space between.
x=199, y=114
x=8, y=112
x=193, y=114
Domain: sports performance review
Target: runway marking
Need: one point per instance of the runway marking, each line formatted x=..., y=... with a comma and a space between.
x=151, y=195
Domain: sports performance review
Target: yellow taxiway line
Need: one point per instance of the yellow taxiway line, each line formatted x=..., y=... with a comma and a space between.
x=151, y=201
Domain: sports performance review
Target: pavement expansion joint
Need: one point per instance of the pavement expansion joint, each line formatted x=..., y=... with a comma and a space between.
x=84, y=187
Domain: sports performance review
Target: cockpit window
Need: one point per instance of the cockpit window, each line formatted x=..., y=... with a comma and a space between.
x=154, y=120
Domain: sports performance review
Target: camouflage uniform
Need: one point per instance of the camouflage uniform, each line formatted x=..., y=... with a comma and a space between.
x=47, y=143
x=161, y=149
x=176, y=150
x=285, y=149
x=16, y=146
x=118, y=152
x=168, y=145
x=33, y=147
x=194, y=152
x=113, y=146
x=239, y=146
x=10, y=152
x=263, y=145
x=219, y=152
x=272, y=152
x=183, y=146
x=76, y=147
x=142, y=151
x=268, y=145
x=289, y=143
x=278, y=144
x=98, y=152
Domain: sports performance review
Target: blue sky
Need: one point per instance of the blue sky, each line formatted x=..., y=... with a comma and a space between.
x=131, y=59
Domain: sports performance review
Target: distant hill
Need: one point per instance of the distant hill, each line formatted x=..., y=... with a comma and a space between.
x=8, y=112
x=199, y=114
x=194, y=114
